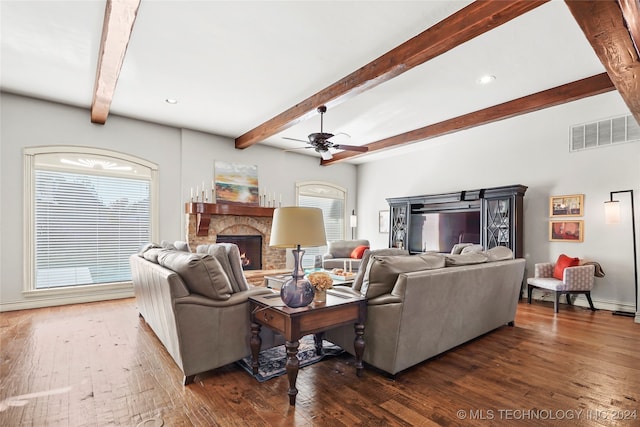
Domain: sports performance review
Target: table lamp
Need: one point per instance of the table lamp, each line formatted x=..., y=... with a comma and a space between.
x=293, y=227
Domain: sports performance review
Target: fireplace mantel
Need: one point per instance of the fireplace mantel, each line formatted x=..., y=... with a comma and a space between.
x=205, y=210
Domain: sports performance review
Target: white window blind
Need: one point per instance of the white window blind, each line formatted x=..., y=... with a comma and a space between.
x=333, y=212
x=87, y=226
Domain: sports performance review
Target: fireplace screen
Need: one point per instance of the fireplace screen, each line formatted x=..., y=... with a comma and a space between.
x=250, y=249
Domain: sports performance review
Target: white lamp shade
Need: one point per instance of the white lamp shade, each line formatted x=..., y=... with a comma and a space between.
x=296, y=225
x=354, y=221
x=612, y=212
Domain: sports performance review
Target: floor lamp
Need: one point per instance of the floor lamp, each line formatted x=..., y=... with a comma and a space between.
x=612, y=216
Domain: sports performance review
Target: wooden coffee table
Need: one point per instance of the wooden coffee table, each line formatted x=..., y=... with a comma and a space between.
x=294, y=323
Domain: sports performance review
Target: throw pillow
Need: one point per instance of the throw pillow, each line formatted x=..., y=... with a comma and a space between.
x=382, y=271
x=362, y=270
x=562, y=263
x=472, y=248
x=202, y=273
x=358, y=252
x=466, y=259
x=499, y=253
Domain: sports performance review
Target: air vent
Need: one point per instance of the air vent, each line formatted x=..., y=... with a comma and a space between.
x=604, y=133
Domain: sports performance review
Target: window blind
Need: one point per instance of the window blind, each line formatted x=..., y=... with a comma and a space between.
x=333, y=215
x=87, y=226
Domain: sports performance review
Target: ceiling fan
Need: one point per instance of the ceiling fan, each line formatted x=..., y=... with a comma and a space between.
x=321, y=141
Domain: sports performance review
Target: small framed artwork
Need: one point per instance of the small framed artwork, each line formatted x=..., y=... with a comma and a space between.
x=383, y=222
x=566, y=231
x=572, y=205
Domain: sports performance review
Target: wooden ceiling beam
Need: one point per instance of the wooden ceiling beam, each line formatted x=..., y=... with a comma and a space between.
x=119, y=17
x=584, y=88
x=603, y=24
x=471, y=21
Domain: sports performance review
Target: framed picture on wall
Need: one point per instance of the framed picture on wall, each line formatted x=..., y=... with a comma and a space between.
x=566, y=231
x=572, y=205
x=383, y=221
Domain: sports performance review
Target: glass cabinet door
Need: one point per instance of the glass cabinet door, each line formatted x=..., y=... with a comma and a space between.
x=497, y=227
x=399, y=226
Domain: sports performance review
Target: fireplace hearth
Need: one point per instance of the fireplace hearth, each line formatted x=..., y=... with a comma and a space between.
x=250, y=247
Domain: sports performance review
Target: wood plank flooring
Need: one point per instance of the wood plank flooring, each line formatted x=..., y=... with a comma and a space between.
x=99, y=364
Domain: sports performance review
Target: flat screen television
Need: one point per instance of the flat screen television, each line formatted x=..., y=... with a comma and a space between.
x=439, y=231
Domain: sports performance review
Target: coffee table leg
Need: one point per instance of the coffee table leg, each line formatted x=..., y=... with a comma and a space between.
x=293, y=364
x=317, y=338
x=358, y=346
x=255, y=342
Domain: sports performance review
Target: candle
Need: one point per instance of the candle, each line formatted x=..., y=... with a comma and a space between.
x=192, y=192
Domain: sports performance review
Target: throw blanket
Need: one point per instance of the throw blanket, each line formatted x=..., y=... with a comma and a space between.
x=599, y=272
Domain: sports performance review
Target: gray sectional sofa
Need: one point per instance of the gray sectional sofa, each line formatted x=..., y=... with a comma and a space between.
x=197, y=304
x=422, y=305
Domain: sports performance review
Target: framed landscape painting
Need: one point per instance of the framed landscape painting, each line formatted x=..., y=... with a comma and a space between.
x=566, y=231
x=572, y=205
x=236, y=183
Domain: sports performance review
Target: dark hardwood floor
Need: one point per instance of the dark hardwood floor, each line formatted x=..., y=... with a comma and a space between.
x=99, y=364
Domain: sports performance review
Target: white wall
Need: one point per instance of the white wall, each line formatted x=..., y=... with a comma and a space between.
x=185, y=158
x=531, y=150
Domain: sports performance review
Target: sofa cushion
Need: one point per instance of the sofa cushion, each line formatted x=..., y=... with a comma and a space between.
x=562, y=263
x=383, y=270
x=151, y=254
x=202, y=273
x=458, y=247
x=359, y=251
x=466, y=259
x=499, y=253
x=357, y=283
x=472, y=248
x=219, y=252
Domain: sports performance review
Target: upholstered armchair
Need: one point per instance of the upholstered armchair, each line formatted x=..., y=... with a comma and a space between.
x=575, y=280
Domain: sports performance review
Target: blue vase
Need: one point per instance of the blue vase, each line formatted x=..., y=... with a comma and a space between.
x=297, y=291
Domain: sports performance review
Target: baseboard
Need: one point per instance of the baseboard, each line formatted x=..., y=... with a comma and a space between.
x=581, y=301
x=57, y=301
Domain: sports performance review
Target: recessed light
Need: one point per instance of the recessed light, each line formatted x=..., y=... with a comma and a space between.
x=486, y=79
x=171, y=101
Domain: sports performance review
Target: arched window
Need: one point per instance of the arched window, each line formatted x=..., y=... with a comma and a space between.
x=332, y=200
x=87, y=210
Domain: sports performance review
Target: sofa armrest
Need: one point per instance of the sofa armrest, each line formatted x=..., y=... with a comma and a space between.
x=327, y=256
x=235, y=299
x=544, y=269
x=580, y=277
x=384, y=299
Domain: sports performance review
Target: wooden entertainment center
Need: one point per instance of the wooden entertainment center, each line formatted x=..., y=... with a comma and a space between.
x=491, y=217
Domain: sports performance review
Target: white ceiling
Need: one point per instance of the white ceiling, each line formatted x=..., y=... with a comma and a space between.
x=234, y=64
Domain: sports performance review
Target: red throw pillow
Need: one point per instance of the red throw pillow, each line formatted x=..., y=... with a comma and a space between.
x=358, y=252
x=562, y=263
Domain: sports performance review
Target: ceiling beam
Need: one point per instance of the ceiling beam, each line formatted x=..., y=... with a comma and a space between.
x=119, y=17
x=469, y=22
x=603, y=25
x=584, y=88
x=631, y=13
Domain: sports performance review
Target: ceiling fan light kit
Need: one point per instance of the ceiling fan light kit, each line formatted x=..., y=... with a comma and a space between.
x=321, y=141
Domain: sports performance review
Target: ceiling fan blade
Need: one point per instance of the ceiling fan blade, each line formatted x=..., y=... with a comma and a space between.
x=326, y=155
x=340, y=136
x=362, y=149
x=296, y=149
x=295, y=139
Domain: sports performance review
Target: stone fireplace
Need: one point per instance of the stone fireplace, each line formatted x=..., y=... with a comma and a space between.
x=250, y=247
x=206, y=221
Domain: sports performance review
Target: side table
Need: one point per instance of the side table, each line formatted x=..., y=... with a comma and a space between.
x=294, y=323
